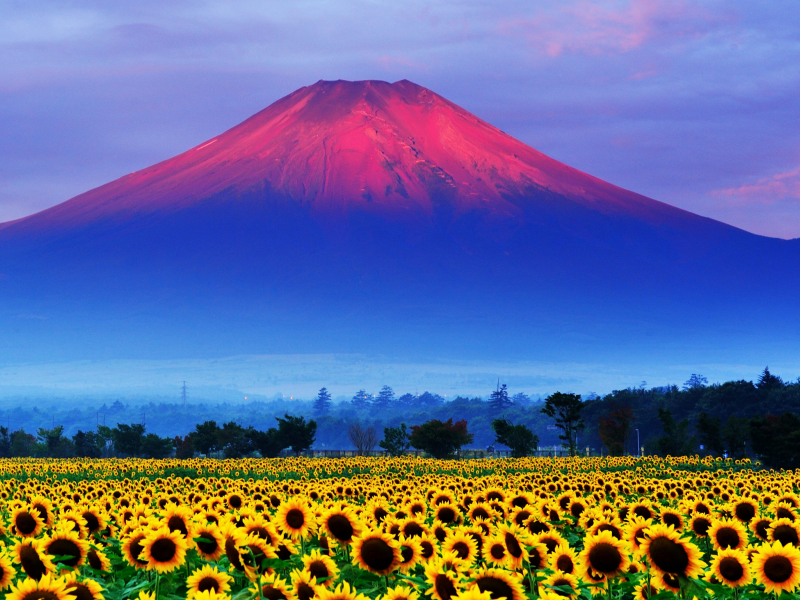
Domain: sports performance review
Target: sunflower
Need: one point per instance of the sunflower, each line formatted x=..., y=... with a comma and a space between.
x=777, y=567
x=208, y=541
x=447, y=513
x=321, y=567
x=294, y=519
x=74, y=521
x=668, y=553
x=377, y=552
x=341, y=592
x=207, y=578
x=304, y=585
x=515, y=539
x=342, y=525
x=672, y=518
x=727, y=533
x=97, y=560
x=45, y=509
x=210, y=595
x=473, y=594
x=46, y=588
x=494, y=551
x=731, y=567
x=604, y=554
x=745, y=510
x=462, y=544
x=551, y=540
x=635, y=531
x=66, y=545
x=427, y=544
x=537, y=555
x=179, y=518
x=232, y=539
x=164, y=550
x=561, y=580
x=700, y=525
x=273, y=587
x=132, y=550
x=26, y=522
x=7, y=572
x=31, y=556
x=412, y=527
x=445, y=582
x=501, y=584
x=95, y=519
x=760, y=527
x=253, y=551
x=85, y=589
x=784, y=531
x=563, y=559
x=400, y=592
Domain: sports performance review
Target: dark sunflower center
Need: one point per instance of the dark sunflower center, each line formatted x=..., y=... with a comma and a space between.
x=80, y=591
x=380, y=514
x=777, y=569
x=700, y=526
x=295, y=518
x=175, y=523
x=745, y=512
x=42, y=511
x=550, y=544
x=761, y=529
x=784, y=513
x=305, y=591
x=341, y=528
x=94, y=560
x=253, y=556
x=272, y=593
x=461, y=549
x=643, y=512
x=538, y=527
x=31, y=563
x=535, y=559
x=731, y=569
x=560, y=583
x=669, y=556
x=671, y=519
x=163, y=550
x=605, y=558
x=59, y=547
x=91, y=521
x=564, y=564
x=283, y=552
x=444, y=587
x=514, y=549
x=727, y=537
x=406, y=554
x=427, y=549
x=41, y=595
x=412, y=529
x=208, y=583
x=235, y=501
x=480, y=513
x=25, y=523
x=497, y=551
x=136, y=549
x=576, y=509
x=447, y=515
x=608, y=527
x=377, y=554
x=207, y=544
x=318, y=569
x=785, y=534
x=496, y=587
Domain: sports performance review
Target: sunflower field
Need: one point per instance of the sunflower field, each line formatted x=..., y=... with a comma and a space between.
x=397, y=529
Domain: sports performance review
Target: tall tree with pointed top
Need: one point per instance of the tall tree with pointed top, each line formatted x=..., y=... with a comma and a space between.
x=322, y=403
x=499, y=399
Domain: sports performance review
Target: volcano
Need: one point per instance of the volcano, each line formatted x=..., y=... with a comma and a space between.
x=380, y=217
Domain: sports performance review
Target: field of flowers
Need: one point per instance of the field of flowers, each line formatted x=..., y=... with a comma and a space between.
x=396, y=529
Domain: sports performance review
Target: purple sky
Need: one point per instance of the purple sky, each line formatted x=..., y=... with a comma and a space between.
x=695, y=104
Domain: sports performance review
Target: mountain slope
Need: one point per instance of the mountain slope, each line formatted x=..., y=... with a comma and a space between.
x=354, y=211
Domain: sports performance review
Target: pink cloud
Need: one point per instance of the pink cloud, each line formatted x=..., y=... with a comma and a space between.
x=612, y=27
x=766, y=190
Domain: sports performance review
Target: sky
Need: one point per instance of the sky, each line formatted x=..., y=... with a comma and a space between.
x=692, y=103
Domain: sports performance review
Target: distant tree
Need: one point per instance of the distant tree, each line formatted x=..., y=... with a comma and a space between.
x=234, y=440
x=296, y=433
x=676, y=440
x=736, y=433
x=615, y=427
x=268, y=443
x=427, y=399
x=521, y=399
x=322, y=403
x=776, y=440
x=499, y=400
x=5, y=443
x=406, y=401
x=440, y=439
x=56, y=444
x=768, y=381
x=128, y=438
x=155, y=446
x=395, y=440
x=566, y=410
x=22, y=443
x=709, y=431
x=695, y=382
x=105, y=439
x=385, y=398
x=361, y=400
x=364, y=439
x=88, y=444
x=184, y=446
x=206, y=437
x=518, y=438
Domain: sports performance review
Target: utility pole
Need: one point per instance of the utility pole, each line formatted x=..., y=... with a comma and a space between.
x=183, y=394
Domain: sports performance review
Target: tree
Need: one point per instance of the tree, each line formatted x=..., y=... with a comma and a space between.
x=206, y=437
x=184, y=446
x=440, y=439
x=361, y=400
x=105, y=438
x=615, y=427
x=518, y=438
x=566, y=410
x=22, y=443
x=776, y=440
x=57, y=445
x=385, y=398
x=322, y=403
x=695, y=382
x=395, y=440
x=521, y=399
x=364, y=439
x=234, y=440
x=128, y=438
x=154, y=446
x=768, y=381
x=88, y=444
x=736, y=433
x=296, y=433
x=5, y=443
x=709, y=431
x=499, y=400
x=268, y=443
x=676, y=440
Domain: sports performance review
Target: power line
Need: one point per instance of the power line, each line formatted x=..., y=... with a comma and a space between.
x=183, y=394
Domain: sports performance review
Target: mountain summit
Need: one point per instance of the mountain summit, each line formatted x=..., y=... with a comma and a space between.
x=371, y=216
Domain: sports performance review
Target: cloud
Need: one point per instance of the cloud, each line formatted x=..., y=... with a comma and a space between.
x=766, y=190
x=612, y=27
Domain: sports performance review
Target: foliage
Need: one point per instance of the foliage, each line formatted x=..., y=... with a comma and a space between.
x=777, y=440
x=395, y=440
x=499, y=400
x=296, y=434
x=518, y=438
x=676, y=440
x=566, y=410
x=440, y=439
x=364, y=439
x=322, y=403
x=615, y=427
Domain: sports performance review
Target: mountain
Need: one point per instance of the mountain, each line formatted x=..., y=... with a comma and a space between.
x=382, y=218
